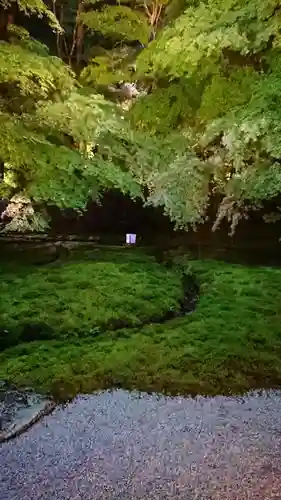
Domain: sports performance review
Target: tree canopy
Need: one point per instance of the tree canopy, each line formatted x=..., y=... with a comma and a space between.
x=226, y=56
x=50, y=126
x=205, y=122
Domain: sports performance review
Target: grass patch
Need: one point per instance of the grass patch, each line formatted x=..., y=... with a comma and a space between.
x=80, y=299
x=231, y=343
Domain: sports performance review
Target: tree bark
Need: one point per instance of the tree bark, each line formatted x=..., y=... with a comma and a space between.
x=6, y=18
x=1, y=171
x=78, y=37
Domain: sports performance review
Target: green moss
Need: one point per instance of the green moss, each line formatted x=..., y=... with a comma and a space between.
x=83, y=298
x=231, y=343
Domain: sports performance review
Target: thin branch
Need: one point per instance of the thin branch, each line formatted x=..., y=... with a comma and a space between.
x=149, y=14
x=159, y=14
x=73, y=43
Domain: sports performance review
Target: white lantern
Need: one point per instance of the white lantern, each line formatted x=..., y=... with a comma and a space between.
x=131, y=239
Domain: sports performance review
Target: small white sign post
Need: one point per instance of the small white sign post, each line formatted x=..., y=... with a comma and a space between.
x=131, y=239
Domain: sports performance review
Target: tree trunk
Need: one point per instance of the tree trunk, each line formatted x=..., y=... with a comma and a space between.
x=78, y=37
x=6, y=18
x=1, y=171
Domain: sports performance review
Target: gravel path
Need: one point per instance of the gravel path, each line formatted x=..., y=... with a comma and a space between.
x=123, y=446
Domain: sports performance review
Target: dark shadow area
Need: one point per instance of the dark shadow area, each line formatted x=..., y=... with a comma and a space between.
x=254, y=242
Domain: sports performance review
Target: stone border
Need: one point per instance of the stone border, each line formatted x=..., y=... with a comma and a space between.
x=25, y=425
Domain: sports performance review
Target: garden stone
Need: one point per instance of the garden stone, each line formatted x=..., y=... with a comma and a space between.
x=19, y=409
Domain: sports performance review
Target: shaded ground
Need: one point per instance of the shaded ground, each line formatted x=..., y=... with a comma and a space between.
x=121, y=446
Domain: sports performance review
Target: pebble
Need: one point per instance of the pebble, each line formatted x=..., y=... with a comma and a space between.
x=118, y=445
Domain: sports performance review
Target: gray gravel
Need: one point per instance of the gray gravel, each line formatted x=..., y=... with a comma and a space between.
x=120, y=446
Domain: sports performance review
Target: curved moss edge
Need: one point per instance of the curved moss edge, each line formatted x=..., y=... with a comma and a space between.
x=190, y=296
x=231, y=344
